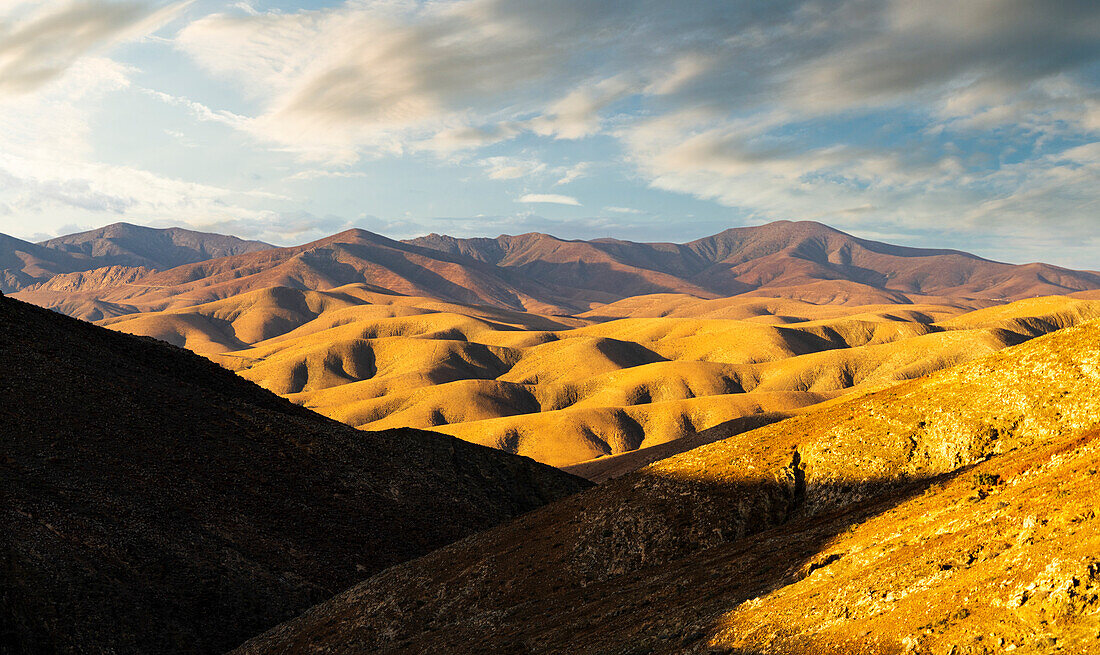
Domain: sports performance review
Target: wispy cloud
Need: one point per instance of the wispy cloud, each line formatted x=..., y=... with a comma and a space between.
x=573, y=173
x=510, y=168
x=320, y=174
x=551, y=198
x=38, y=47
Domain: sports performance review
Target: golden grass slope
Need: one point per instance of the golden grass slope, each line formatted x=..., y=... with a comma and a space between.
x=566, y=390
x=950, y=514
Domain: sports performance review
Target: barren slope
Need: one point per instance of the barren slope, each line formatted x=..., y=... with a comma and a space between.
x=544, y=347
x=355, y=256
x=563, y=392
x=154, y=502
x=23, y=263
x=121, y=245
x=536, y=272
x=949, y=514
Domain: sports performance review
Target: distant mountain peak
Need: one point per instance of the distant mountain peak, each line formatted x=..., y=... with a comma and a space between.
x=127, y=244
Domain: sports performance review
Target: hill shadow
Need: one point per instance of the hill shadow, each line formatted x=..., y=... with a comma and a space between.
x=604, y=573
x=672, y=599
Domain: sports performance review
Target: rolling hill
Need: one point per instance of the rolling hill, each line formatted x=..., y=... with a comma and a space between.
x=569, y=351
x=563, y=390
x=955, y=513
x=154, y=502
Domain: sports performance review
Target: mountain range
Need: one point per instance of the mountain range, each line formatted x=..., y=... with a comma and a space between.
x=802, y=443
x=24, y=264
x=564, y=351
x=530, y=272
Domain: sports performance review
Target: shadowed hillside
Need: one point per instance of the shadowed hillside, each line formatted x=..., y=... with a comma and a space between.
x=154, y=502
x=23, y=263
x=948, y=514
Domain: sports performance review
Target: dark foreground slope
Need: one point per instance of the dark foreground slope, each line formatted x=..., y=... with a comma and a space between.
x=951, y=514
x=152, y=501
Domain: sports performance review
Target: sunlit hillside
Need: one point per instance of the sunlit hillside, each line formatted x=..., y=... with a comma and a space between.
x=564, y=351
x=955, y=513
x=566, y=390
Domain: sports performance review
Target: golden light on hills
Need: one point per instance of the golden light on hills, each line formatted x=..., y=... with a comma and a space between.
x=565, y=351
x=566, y=390
x=951, y=513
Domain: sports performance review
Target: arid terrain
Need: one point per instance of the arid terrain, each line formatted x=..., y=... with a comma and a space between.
x=565, y=351
x=508, y=327
x=948, y=514
x=804, y=443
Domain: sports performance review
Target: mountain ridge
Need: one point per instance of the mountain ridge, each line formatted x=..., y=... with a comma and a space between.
x=155, y=502
x=779, y=254
x=24, y=264
x=539, y=272
x=127, y=244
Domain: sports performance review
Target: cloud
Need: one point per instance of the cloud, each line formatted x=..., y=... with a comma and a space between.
x=317, y=174
x=392, y=77
x=40, y=47
x=449, y=140
x=886, y=114
x=573, y=173
x=552, y=198
x=49, y=175
x=510, y=168
x=202, y=112
x=278, y=228
x=623, y=210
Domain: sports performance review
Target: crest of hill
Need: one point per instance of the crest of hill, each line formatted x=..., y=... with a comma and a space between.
x=777, y=257
x=24, y=264
x=155, y=502
x=354, y=256
x=124, y=244
x=955, y=509
x=533, y=272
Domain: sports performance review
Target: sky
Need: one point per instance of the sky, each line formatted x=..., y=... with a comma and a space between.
x=971, y=125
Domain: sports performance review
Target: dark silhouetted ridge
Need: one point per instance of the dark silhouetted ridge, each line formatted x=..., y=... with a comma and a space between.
x=154, y=502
